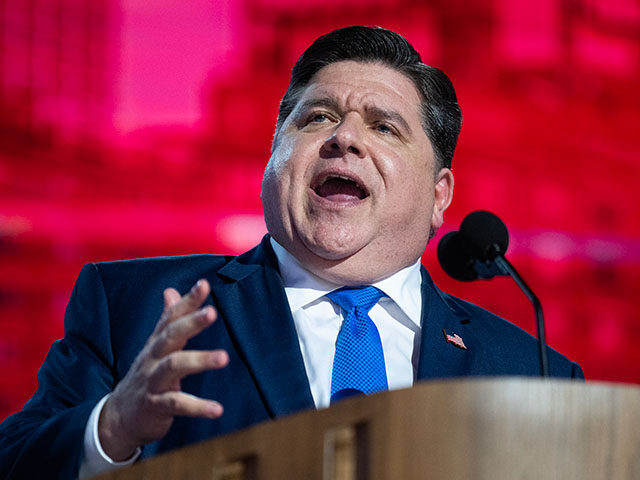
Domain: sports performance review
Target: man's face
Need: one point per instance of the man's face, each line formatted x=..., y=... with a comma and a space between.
x=350, y=188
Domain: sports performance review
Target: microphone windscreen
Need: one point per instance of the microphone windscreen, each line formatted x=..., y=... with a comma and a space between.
x=455, y=259
x=485, y=235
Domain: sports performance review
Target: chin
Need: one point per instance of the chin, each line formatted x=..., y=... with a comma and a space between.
x=330, y=253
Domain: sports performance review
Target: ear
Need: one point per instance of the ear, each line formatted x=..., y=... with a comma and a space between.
x=443, y=194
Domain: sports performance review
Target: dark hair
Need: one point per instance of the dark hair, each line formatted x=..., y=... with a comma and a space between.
x=441, y=115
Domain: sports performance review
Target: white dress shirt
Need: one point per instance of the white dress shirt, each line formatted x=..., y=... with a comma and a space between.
x=94, y=459
x=317, y=320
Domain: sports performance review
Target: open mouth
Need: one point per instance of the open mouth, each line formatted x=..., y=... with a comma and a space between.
x=340, y=188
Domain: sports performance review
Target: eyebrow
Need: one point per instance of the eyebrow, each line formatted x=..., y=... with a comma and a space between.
x=326, y=102
x=379, y=113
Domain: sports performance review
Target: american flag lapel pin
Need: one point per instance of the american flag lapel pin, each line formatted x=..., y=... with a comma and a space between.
x=454, y=339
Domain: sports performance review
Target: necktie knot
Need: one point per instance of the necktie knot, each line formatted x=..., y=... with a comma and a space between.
x=348, y=298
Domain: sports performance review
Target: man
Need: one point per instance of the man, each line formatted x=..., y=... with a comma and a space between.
x=357, y=184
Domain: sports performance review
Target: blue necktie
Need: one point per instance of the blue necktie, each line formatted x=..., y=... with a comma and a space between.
x=358, y=365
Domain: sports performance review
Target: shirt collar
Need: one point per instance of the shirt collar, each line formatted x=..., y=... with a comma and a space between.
x=303, y=287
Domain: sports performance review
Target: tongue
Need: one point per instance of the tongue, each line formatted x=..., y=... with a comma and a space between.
x=337, y=189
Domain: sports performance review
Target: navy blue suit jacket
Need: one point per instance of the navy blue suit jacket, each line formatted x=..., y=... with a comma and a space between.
x=114, y=308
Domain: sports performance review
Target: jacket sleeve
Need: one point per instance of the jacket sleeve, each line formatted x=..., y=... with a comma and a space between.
x=45, y=439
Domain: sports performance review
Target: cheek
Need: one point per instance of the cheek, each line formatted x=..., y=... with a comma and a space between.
x=281, y=163
x=400, y=174
x=284, y=178
x=275, y=185
x=416, y=199
x=280, y=157
x=410, y=188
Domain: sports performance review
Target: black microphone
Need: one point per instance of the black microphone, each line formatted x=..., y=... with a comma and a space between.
x=478, y=251
x=469, y=254
x=455, y=258
x=485, y=234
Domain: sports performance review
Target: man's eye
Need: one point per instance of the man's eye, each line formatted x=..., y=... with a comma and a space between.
x=318, y=118
x=384, y=128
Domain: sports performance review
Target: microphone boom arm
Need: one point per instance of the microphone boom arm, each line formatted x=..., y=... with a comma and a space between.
x=508, y=269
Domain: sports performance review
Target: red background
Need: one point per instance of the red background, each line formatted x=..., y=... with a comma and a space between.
x=140, y=128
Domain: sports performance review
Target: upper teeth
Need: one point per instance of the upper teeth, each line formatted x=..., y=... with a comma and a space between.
x=342, y=177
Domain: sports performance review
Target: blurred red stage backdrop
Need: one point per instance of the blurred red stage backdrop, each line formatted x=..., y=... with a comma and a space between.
x=139, y=128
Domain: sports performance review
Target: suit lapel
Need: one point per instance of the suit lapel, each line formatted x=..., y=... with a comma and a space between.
x=251, y=299
x=440, y=358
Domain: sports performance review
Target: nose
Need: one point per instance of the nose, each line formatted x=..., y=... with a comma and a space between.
x=347, y=137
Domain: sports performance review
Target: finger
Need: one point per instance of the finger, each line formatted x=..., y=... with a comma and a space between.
x=184, y=404
x=176, y=306
x=178, y=365
x=174, y=335
x=192, y=299
x=171, y=297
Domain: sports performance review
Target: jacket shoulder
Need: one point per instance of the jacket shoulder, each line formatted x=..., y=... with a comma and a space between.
x=509, y=344
x=194, y=262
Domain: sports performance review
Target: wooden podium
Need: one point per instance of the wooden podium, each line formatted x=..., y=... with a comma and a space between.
x=509, y=428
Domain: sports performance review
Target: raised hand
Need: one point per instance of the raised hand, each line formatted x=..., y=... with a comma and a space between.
x=141, y=408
